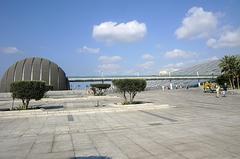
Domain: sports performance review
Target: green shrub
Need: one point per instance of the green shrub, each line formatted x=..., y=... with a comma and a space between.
x=27, y=90
x=130, y=86
x=99, y=88
x=222, y=79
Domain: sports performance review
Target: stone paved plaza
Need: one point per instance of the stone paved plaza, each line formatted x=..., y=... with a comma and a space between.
x=179, y=124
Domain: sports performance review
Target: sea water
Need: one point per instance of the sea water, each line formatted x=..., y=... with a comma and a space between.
x=84, y=85
x=153, y=84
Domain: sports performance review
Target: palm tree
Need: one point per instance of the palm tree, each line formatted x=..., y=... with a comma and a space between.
x=225, y=68
x=238, y=70
x=229, y=67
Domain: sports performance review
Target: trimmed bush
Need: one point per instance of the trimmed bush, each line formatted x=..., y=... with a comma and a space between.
x=99, y=88
x=130, y=86
x=27, y=90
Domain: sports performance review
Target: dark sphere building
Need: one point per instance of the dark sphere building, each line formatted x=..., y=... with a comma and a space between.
x=35, y=68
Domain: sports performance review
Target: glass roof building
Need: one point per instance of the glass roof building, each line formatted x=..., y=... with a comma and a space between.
x=35, y=68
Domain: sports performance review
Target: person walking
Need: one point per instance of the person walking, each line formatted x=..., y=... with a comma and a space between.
x=224, y=90
x=162, y=88
x=218, y=91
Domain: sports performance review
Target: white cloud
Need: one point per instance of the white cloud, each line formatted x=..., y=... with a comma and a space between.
x=147, y=57
x=109, y=59
x=197, y=24
x=177, y=53
x=171, y=67
x=167, y=70
x=109, y=67
x=88, y=50
x=9, y=50
x=123, y=32
x=227, y=39
x=175, y=65
x=147, y=65
x=149, y=62
x=109, y=64
x=212, y=58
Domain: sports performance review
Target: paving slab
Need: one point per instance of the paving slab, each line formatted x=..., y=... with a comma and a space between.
x=182, y=124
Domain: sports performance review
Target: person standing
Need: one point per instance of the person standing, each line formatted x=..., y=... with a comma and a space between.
x=217, y=90
x=162, y=88
x=224, y=90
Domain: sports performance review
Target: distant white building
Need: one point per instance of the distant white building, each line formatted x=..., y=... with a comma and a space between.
x=163, y=73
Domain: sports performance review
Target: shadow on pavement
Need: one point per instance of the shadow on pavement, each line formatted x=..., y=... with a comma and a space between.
x=92, y=157
x=4, y=109
x=51, y=107
x=48, y=107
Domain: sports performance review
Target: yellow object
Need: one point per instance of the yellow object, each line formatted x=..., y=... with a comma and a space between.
x=209, y=87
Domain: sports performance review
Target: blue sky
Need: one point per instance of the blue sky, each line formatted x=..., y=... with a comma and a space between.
x=91, y=37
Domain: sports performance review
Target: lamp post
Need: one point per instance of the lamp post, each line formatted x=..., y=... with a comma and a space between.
x=199, y=84
x=171, y=87
x=102, y=76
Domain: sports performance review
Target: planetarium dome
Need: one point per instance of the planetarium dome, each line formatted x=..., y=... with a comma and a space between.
x=35, y=68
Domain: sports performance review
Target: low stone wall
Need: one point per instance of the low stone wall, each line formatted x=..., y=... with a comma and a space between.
x=234, y=92
x=67, y=93
x=53, y=94
x=5, y=95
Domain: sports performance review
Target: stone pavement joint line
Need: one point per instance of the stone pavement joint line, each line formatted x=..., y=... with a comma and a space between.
x=159, y=116
x=147, y=131
x=40, y=113
x=154, y=124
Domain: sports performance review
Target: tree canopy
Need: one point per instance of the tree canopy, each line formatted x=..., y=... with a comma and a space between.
x=230, y=67
x=130, y=86
x=27, y=90
x=99, y=88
